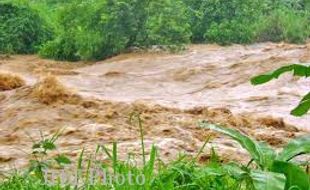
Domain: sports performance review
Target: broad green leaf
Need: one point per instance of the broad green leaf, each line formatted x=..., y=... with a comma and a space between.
x=298, y=70
x=267, y=155
x=307, y=97
x=62, y=159
x=296, y=177
x=301, y=70
x=243, y=140
x=235, y=171
x=263, y=180
x=302, y=108
x=294, y=148
x=261, y=79
x=261, y=153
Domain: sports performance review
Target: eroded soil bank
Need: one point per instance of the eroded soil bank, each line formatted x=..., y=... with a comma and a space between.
x=173, y=92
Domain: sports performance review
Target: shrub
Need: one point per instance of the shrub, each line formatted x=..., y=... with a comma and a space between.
x=232, y=22
x=61, y=48
x=233, y=31
x=106, y=28
x=167, y=23
x=112, y=34
x=21, y=29
x=278, y=169
x=195, y=14
x=101, y=30
x=224, y=21
x=283, y=25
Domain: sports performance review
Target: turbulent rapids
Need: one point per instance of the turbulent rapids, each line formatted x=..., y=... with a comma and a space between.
x=92, y=102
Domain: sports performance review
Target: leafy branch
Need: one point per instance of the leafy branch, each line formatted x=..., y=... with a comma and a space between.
x=298, y=70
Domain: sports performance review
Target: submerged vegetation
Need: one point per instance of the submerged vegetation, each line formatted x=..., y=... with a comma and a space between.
x=89, y=30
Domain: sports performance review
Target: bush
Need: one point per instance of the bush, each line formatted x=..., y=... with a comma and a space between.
x=233, y=22
x=106, y=28
x=233, y=31
x=167, y=23
x=61, y=48
x=102, y=29
x=284, y=25
x=224, y=22
x=195, y=14
x=21, y=29
x=238, y=21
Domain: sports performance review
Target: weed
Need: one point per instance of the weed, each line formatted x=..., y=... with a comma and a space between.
x=268, y=170
x=274, y=170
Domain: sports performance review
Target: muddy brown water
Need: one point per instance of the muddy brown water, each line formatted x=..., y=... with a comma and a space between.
x=172, y=91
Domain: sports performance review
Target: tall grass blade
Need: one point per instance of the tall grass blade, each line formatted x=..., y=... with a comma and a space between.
x=201, y=149
x=114, y=157
x=107, y=152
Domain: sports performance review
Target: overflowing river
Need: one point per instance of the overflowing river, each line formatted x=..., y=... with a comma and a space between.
x=173, y=91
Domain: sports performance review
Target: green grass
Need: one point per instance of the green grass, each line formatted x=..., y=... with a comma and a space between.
x=268, y=169
x=184, y=173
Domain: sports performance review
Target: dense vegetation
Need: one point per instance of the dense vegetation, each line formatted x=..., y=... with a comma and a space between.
x=96, y=29
x=267, y=170
x=21, y=29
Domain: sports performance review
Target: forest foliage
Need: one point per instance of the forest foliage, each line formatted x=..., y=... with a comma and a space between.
x=21, y=29
x=97, y=29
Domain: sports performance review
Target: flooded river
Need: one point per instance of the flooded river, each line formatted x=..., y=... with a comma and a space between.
x=172, y=91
